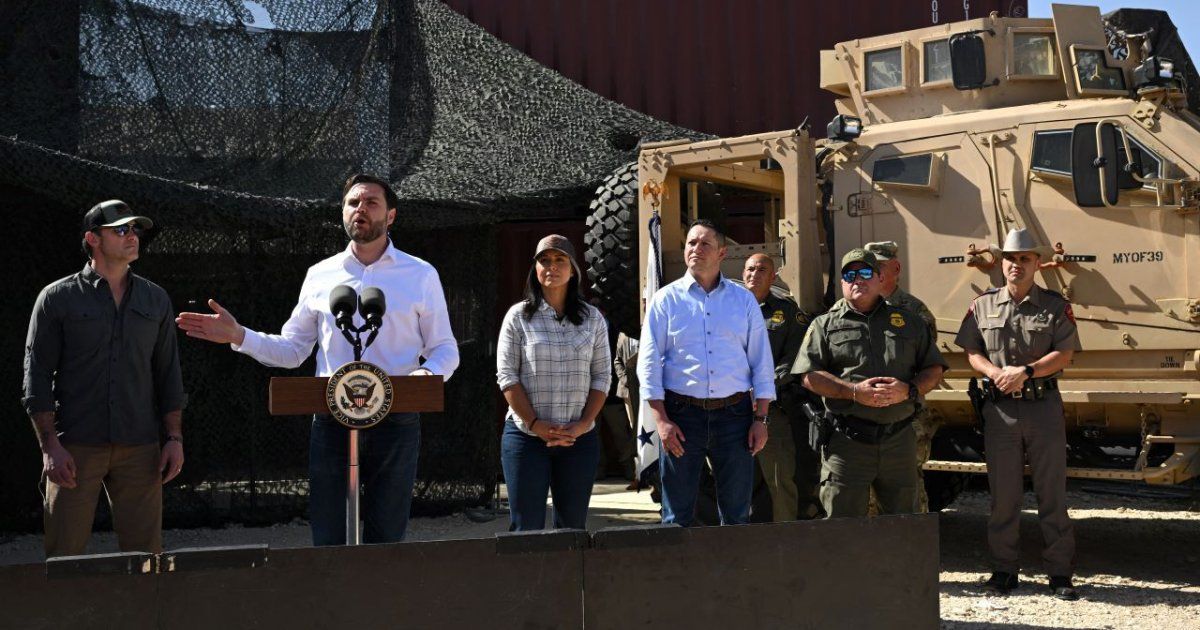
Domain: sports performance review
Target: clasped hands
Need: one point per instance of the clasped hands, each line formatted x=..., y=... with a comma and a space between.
x=879, y=391
x=560, y=435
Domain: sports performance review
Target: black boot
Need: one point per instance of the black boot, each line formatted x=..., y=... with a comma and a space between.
x=1001, y=583
x=1062, y=588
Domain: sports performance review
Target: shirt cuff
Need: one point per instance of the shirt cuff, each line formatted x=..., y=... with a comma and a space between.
x=652, y=393
x=506, y=382
x=251, y=342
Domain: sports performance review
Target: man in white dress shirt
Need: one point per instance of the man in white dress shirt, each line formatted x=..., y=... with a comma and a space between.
x=707, y=373
x=416, y=326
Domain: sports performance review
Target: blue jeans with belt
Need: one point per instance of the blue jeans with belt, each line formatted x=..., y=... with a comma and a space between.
x=387, y=464
x=721, y=435
x=531, y=468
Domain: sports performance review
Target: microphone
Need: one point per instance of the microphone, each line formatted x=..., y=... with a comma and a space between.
x=372, y=304
x=343, y=304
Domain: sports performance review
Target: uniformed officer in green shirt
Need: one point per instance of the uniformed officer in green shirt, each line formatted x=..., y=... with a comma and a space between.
x=1020, y=337
x=925, y=424
x=780, y=458
x=872, y=363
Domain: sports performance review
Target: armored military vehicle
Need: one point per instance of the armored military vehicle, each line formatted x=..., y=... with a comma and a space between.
x=946, y=138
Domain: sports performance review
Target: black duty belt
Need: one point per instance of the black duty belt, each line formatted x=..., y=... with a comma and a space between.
x=1033, y=389
x=708, y=404
x=866, y=431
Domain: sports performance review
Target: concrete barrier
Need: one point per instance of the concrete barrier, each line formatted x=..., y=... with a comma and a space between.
x=880, y=572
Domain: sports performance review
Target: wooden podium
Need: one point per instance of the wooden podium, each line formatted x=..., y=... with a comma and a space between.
x=302, y=395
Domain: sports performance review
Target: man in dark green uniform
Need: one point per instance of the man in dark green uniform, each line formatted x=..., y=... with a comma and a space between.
x=925, y=425
x=871, y=362
x=1020, y=337
x=780, y=458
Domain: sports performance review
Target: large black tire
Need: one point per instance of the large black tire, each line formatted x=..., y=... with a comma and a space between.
x=611, y=248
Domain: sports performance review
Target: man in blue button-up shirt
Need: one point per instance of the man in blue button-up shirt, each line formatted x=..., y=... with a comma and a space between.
x=703, y=349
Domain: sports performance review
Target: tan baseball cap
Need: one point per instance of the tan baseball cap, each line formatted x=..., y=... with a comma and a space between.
x=883, y=250
x=560, y=243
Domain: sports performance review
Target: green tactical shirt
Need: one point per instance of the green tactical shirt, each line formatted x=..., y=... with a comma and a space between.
x=785, y=330
x=909, y=302
x=855, y=346
x=1013, y=333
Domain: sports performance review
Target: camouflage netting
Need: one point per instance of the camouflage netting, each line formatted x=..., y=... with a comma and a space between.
x=232, y=125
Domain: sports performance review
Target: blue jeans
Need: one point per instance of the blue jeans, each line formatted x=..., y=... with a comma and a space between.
x=531, y=468
x=387, y=464
x=720, y=435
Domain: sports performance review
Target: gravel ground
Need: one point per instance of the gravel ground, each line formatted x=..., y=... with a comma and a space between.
x=1138, y=558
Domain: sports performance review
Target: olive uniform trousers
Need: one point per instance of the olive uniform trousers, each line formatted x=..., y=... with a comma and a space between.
x=850, y=470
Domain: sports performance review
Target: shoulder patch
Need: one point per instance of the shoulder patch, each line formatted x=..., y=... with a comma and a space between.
x=1070, y=313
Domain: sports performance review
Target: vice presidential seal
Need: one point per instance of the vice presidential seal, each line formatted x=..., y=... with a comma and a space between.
x=359, y=395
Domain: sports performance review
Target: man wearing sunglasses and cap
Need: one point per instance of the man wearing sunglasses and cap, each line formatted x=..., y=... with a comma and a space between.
x=103, y=387
x=871, y=362
x=1020, y=337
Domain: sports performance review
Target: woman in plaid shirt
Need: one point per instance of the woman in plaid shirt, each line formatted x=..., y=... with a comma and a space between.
x=553, y=365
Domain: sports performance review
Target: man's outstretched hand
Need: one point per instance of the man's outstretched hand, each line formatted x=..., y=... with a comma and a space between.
x=218, y=327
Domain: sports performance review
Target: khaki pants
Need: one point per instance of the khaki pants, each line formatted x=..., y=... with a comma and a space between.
x=1017, y=431
x=850, y=470
x=778, y=462
x=130, y=476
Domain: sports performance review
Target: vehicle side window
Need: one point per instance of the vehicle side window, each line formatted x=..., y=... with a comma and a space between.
x=885, y=69
x=1052, y=154
x=937, y=61
x=912, y=170
x=1033, y=55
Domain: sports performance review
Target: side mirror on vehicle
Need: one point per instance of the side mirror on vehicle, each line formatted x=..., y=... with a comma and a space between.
x=1094, y=171
x=968, y=62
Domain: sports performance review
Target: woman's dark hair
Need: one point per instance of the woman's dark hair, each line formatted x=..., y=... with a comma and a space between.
x=573, y=310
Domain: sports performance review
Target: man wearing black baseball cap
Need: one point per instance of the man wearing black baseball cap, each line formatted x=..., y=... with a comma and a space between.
x=103, y=387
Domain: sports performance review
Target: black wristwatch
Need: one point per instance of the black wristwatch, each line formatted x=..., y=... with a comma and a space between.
x=913, y=392
x=1029, y=371
x=763, y=419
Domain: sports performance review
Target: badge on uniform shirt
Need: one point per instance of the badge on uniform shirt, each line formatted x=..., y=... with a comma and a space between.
x=1042, y=318
x=777, y=318
x=897, y=320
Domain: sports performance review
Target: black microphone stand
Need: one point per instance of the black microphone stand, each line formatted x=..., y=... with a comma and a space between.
x=353, y=334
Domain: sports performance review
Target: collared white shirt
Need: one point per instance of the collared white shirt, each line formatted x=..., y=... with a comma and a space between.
x=415, y=323
x=556, y=362
x=704, y=345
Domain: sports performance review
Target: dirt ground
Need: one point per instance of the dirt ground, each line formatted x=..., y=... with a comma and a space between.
x=1138, y=557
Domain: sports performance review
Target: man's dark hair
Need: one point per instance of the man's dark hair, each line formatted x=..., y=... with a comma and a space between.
x=363, y=178
x=712, y=226
x=572, y=310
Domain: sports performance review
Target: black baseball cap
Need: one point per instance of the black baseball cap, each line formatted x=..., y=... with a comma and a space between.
x=113, y=213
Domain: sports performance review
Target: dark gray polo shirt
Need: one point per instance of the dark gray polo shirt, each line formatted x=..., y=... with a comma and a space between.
x=109, y=374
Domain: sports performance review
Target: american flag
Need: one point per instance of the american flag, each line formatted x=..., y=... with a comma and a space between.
x=648, y=441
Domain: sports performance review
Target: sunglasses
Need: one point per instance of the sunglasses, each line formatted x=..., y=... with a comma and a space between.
x=123, y=230
x=866, y=273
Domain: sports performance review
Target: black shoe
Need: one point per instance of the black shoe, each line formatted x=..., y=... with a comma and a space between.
x=1000, y=583
x=1062, y=588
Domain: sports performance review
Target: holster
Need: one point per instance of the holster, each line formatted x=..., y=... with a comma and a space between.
x=975, y=393
x=819, y=425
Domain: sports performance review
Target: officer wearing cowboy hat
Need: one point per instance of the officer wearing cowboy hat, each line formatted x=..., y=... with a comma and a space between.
x=1020, y=337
